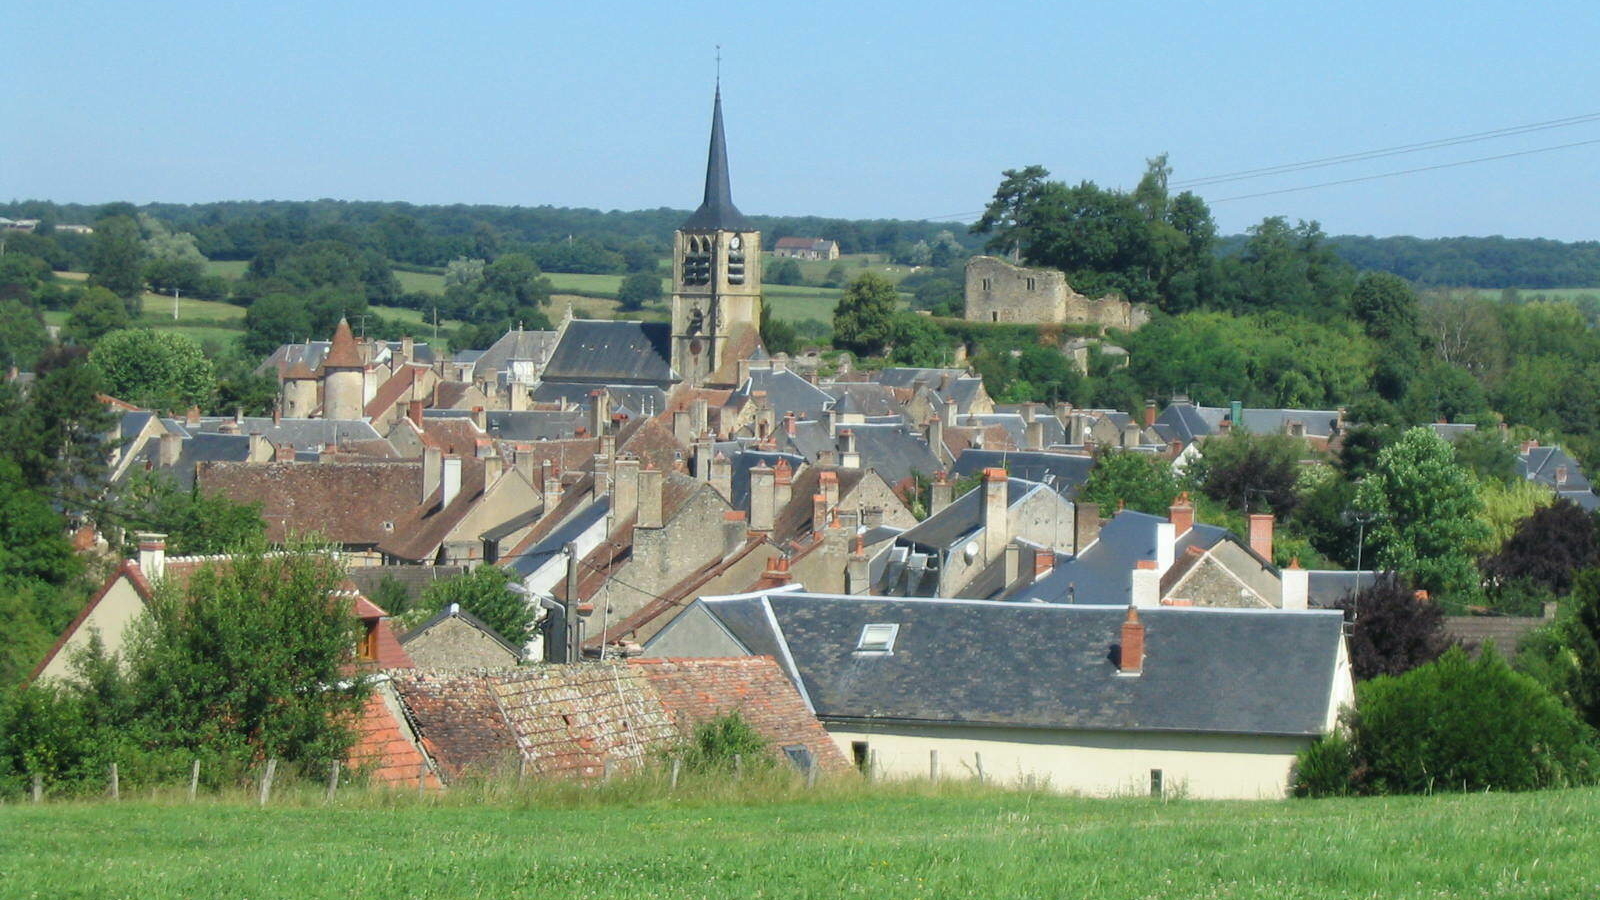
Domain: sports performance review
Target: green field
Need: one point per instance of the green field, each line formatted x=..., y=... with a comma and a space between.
x=815, y=270
x=227, y=268
x=1566, y=293
x=885, y=842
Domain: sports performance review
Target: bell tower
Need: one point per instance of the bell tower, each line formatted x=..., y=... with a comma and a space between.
x=716, y=276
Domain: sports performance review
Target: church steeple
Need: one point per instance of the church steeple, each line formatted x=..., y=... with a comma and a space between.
x=717, y=212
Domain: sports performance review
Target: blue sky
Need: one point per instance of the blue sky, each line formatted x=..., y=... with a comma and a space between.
x=892, y=109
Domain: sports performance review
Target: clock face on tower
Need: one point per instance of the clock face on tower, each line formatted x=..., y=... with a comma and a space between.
x=735, y=242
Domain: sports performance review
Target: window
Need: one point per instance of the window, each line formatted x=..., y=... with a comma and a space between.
x=1155, y=782
x=986, y=284
x=367, y=647
x=1030, y=284
x=994, y=316
x=858, y=753
x=878, y=638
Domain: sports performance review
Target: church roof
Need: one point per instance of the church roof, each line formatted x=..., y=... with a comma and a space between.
x=717, y=212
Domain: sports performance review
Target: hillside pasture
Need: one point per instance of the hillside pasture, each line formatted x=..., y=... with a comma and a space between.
x=901, y=841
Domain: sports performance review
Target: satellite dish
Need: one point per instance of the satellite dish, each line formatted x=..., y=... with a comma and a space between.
x=970, y=551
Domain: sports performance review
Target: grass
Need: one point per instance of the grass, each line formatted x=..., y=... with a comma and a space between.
x=890, y=841
x=815, y=270
x=227, y=268
x=1565, y=293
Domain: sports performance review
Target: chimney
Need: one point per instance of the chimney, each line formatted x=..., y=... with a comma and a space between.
x=1561, y=477
x=940, y=494
x=517, y=400
x=408, y=348
x=1149, y=414
x=1077, y=430
x=450, y=480
x=1166, y=546
x=1086, y=528
x=480, y=418
x=599, y=411
x=625, y=492
x=1529, y=445
x=1296, y=583
x=493, y=465
x=680, y=427
x=1261, y=534
x=602, y=475
x=1129, y=437
x=819, y=513
x=1013, y=557
x=414, y=412
x=431, y=469
x=830, y=487
x=1044, y=561
x=258, y=447
x=698, y=417
x=947, y=414
x=858, y=569
x=833, y=422
x=782, y=484
x=996, y=528
x=722, y=476
x=777, y=571
x=152, y=554
x=283, y=453
x=277, y=413
x=1145, y=584
x=550, y=482
x=171, y=447
x=849, y=457
x=192, y=417
x=1130, y=659
x=1181, y=515
x=702, y=456
x=1026, y=412
x=762, y=500
x=651, y=484
x=1033, y=436
x=788, y=423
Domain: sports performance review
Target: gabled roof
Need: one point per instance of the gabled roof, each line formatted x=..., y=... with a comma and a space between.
x=1031, y=665
x=1063, y=472
x=1102, y=573
x=521, y=425
x=515, y=345
x=893, y=451
x=951, y=525
x=787, y=392
x=717, y=212
x=596, y=352
x=864, y=398
x=347, y=503
x=417, y=534
x=454, y=611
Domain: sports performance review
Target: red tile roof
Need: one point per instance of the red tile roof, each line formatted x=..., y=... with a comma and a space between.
x=344, y=502
x=383, y=750
x=343, y=354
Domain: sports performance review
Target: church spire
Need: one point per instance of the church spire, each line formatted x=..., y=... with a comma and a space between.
x=717, y=212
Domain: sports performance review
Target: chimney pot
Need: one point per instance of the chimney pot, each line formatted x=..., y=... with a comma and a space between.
x=1130, y=659
x=1181, y=514
x=1261, y=535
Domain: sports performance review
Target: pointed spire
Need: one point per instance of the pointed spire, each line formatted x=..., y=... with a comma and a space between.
x=343, y=354
x=717, y=212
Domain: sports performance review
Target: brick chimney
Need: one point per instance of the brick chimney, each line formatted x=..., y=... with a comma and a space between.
x=283, y=453
x=152, y=554
x=192, y=417
x=788, y=423
x=651, y=512
x=830, y=487
x=819, y=512
x=1261, y=534
x=763, y=506
x=777, y=571
x=1181, y=515
x=1086, y=526
x=1044, y=561
x=1130, y=656
x=480, y=418
x=414, y=412
x=1296, y=585
x=1145, y=584
x=1149, y=414
x=782, y=484
x=996, y=528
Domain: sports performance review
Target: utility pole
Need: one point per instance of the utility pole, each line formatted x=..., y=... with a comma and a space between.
x=175, y=304
x=572, y=626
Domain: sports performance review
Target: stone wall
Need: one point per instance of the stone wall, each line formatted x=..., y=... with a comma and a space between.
x=456, y=644
x=998, y=291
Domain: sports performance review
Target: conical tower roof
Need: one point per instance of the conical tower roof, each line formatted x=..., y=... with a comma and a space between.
x=717, y=212
x=343, y=354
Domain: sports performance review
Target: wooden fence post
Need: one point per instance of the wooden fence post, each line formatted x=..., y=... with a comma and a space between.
x=116, y=783
x=977, y=759
x=609, y=766
x=522, y=770
x=333, y=781
x=676, y=765
x=266, y=780
x=38, y=788
x=194, y=779
x=933, y=765
x=422, y=780
x=738, y=764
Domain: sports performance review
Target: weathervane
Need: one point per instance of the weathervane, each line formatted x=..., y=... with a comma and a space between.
x=719, y=66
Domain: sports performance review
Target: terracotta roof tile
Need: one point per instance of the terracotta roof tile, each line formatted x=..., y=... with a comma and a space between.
x=343, y=354
x=346, y=503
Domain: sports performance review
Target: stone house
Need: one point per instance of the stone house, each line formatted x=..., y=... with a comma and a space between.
x=457, y=639
x=1098, y=700
x=806, y=248
x=998, y=291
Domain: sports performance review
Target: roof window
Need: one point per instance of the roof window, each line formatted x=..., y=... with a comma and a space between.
x=877, y=638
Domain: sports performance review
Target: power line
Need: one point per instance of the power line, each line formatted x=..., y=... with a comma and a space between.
x=1397, y=150
x=1448, y=165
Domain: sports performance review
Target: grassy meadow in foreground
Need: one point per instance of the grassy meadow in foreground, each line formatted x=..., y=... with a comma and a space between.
x=881, y=841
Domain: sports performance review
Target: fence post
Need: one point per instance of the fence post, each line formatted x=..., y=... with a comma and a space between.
x=608, y=769
x=116, y=785
x=38, y=788
x=194, y=779
x=977, y=759
x=738, y=764
x=266, y=780
x=933, y=765
x=676, y=764
x=333, y=781
x=422, y=780
x=811, y=774
x=522, y=770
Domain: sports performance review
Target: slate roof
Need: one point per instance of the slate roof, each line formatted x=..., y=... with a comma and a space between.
x=787, y=392
x=1185, y=421
x=717, y=212
x=1030, y=665
x=596, y=352
x=745, y=460
x=521, y=425
x=304, y=434
x=1326, y=587
x=1102, y=573
x=515, y=345
x=636, y=400
x=527, y=561
x=1064, y=473
x=1017, y=428
x=893, y=451
x=951, y=525
x=864, y=398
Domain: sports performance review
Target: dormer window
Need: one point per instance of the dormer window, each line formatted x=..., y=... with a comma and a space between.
x=877, y=638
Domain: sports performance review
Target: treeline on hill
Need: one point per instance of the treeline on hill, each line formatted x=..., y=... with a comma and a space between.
x=1483, y=262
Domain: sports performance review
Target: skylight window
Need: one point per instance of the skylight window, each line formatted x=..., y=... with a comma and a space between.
x=877, y=638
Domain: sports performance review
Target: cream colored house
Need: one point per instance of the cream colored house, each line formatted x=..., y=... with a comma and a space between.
x=1098, y=700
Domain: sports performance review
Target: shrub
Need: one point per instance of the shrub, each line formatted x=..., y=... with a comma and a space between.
x=716, y=743
x=1324, y=769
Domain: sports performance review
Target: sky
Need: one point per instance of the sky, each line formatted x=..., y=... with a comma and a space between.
x=857, y=110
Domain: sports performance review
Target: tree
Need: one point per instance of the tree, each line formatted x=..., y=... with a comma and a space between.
x=1252, y=473
x=1139, y=481
x=37, y=568
x=1392, y=629
x=1487, y=454
x=1386, y=307
x=56, y=433
x=155, y=369
x=1426, y=514
x=97, y=313
x=916, y=341
x=22, y=335
x=1007, y=216
x=485, y=593
x=275, y=319
x=1565, y=656
x=784, y=271
x=1460, y=724
x=638, y=289
x=517, y=276
x=777, y=335
x=1548, y=548
x=118, y=260
x=863, y=318
x=195, y=522
x=248, y=660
